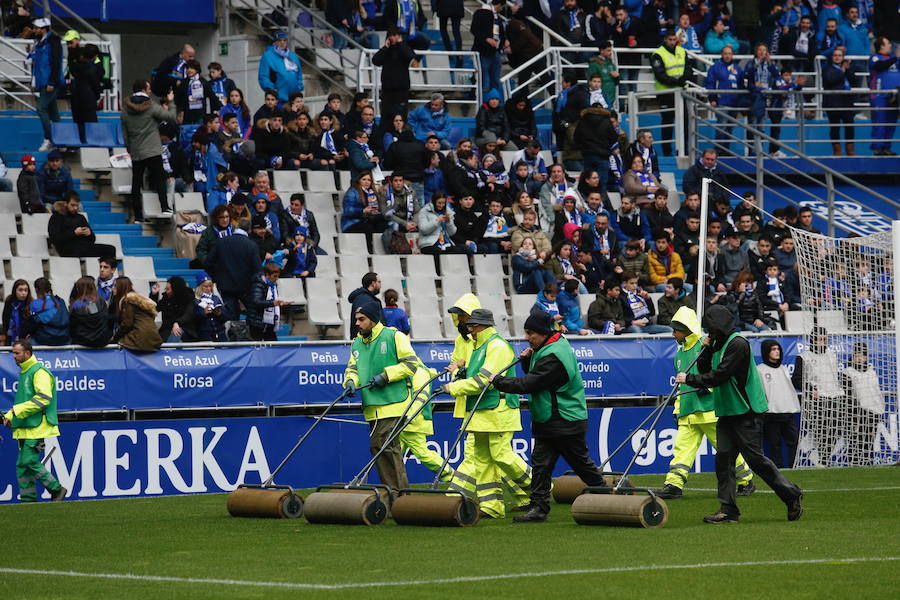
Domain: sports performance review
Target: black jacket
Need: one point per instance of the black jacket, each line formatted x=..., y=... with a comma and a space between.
x=595, y=133
x=834, y=78
x=288, y=224
x=89, y=325
x=482, y=29
x=85, y=89
x=720, y=324
x=407, y=157
x=449, y=8
x=359, y=297
x=394, y=62
x=61, y=230
x=162, y=83
x=693, y=177
x=176, y=310
x=267, y=244
x=233, y=264
x=469, y=226
x=491, y=119
x=256, y=302
x=789, y=43
x=211, y=102
x=29, y=193
x=271, y=143
x=659, y=71
x=520, y=122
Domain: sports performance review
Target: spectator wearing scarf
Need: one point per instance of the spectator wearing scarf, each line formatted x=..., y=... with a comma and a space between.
x=302, y=259
x=15, y=313
x=279, y=68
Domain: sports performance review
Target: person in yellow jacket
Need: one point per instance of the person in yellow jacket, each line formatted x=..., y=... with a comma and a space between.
x=414, y=436
x=495, y=417
x=695, y=413
x=463, y=479
x=33, y=419
x=384, y=358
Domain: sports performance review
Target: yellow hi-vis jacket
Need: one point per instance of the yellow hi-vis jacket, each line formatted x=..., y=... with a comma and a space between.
x=674, y=63
x=688, y=317
x=421, y=424
x=463, y=346
x=43, y=384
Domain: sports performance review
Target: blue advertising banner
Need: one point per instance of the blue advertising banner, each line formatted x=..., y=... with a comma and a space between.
x=306, y=374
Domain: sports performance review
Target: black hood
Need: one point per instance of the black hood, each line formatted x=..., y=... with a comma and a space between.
x=719, y=322
x=767, y=346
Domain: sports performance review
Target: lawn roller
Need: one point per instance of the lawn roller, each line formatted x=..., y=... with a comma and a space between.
x=268, y=500
x=357, y=503
x=436, y=507
x=605, y=505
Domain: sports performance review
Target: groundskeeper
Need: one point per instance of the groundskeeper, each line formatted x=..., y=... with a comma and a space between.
x=414, y=436
x=695, y=413
x=728, y=368
x=558, y=411
x=33, y=419
x=495, y=418
x=383, y=357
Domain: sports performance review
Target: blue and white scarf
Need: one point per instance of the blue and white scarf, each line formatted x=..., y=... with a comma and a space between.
x=328, y=141
x=406, y=19
x=105, y=286
x=223, y=233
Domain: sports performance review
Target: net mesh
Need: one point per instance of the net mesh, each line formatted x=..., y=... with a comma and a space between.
x=849, y=363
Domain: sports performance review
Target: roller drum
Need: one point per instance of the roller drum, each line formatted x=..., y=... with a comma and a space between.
x=435, y=511
x=344, y=509
x=263, y=503
x=568, y=487
x=633, y=511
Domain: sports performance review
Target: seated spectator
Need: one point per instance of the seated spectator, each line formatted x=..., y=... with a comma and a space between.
x=238, y=209
x=546, y=302
x=135, y=316
x=715, y=266
x=394, y=316
x=48, y=318
x=744, y=302
x=606, y=314
x=237, y=107
x=467, y=179
x=598, y=268
x=640, y=185
x=522, y=203
x=264, y=305
x=408, y=158
x=565, y=266
x=639, y=309
x=687, y=245
x=657, y=214
x=269, y=107
x=469, y=224
x=302, y=140
x=496, y=236
x=570, y=308
x=522, y=124
x=267, y=243
x=770, y=288
x=617, y=170
x=302, y=260
x=364, y=120
x=70, y=233
x=749, y=206
x=262, y=207
x=529, y=229
x=363, y=212
x=194, y=97
x=208, y=312
x=16, y=309
x=785, y=254
x=328, y=150
x=643, y=146
x=28, y=190
x=365, y=294
x=436, y=229
x=432, y=120
x=734, y=255
x=176, y=305
x=433, y=176
x=551, y=195
x=222, y=195
x=333, y=109
x=219, y=82
x=759, y=256
x=600, y=238
x=746, y=228
x=300, y=216
x=589, y=183
x=707, y=166
x=568, y=214
x=530, y=154
x=691, y=205
x=391, y=133
x=244, y=161
x=633, y=259
x=273, y=143
x=664, y=262
x=629, y=223
x=521, y=181
x=688, y=36
x=495, y=172
x=718, y=37
x=89, y=315
x=54, y=179
x=528, y=273
x=804, y=220
x=360, y=157
x=491, y=117
x=673, y=298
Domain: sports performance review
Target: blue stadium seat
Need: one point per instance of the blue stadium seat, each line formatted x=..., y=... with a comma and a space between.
x=456, y=134
x=120, y=138
x=65, y=135
x=100, y=135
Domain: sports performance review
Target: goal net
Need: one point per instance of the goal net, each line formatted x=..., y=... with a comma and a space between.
x=849, y=413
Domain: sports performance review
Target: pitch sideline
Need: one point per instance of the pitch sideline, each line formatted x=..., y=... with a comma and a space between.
x=451, y=580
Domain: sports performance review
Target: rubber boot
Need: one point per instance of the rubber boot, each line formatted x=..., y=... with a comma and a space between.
x=835, y=149
x=851, y=149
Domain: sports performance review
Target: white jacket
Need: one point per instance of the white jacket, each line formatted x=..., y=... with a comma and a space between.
x=866, y=390
x=780, y=391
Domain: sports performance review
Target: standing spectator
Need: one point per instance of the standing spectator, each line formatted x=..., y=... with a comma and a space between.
x=624, y=33
x=46, y=75
x=171, y=71
x=432, y=120
x=523, y=46
x=89, y=315
x=828, y=38
x=27, y=188
x=437, y=228
x=302, y=260
x=366, y=294
x=643, y=146
x=70, y=233
x=800, y=41
x=264, y=305
x=488, y=31
x=394, y=316
x=16, y=308
x=280, y=68
x=837, y=75
x=48, y=317
x=689, y=37
x=54, y=179
x=300, y=216
x=816, y=375
x=705, y=167
x=726, y=75
x=85, y=88
x=220, y=227
x=664, y=262
x=603, y=65
x=140, y=128
x=206, y=313
x=673, y=298
x=234, y=264
x=855, y=35
x=407, y=16
x=491, y=117
x=779, y=423
x=107, y=273
x=671, y=71
x=860, y=380
x=176, y=305
x=194, y=97
x=136, y=319
x=394, y=58
x=569, y=22
x=655, y=18
x=884, y=71
x=595, y=135
x=451, y=11
x=363, y=212
x=220, y=83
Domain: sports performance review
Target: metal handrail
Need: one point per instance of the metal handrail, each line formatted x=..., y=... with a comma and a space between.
x=549, y=33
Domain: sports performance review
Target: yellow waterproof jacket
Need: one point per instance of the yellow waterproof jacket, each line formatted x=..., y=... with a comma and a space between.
x=420, y=424
x=497, y=358
x=43, y=384
x=406, y=366
x=688, y=317
x=463, y=346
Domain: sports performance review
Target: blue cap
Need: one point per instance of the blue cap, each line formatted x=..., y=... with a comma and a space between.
x=201, y=278
x=280, y=35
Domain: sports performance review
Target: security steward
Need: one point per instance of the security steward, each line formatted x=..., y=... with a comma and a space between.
x=495, y=417
x=463, y=479
x=414, y=436
x=694, y=412
x=558, y=411
x=671, y=68
x=728, y=368
x=33, y=419
x=384, y=358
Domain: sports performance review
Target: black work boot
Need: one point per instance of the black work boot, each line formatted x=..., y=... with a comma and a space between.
x=745, y=490
x=59, y=495
x=669, y=492
x=795, y=508
x=535, y=515
x=719, y=517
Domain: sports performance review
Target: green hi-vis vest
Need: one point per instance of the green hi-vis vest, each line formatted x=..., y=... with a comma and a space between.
x=674, y=64
x=696, y=399
x=729, y=400
x=25, y=392
x=570, y=400
x=371, y=360
x=491, y=398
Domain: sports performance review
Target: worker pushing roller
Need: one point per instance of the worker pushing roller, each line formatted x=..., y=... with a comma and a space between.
x=694, y=409
x=414, y=435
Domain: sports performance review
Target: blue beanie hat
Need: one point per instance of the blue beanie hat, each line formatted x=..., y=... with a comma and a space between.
x=201, y=278
x=301, y=230
x=493, y=93
x=280, y=35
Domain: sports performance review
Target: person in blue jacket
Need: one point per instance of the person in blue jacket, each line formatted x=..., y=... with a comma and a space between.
x=884, y=75
x=726, y=74
x=570, y=309
x=54, y=179
x=47, y=75
x=432, y=119
x=855, y=34
x=280, y=69
x=760, y=74
x=394, y=316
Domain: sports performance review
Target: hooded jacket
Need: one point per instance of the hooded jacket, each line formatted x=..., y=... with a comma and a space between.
x=89, y=323
x=695, y=407
x=595, y=133
x=140, y=126
x=137, y=329
x=492, y=119
x=360, y=297
x=282, y=74
x=463, y=345
x=776, y=381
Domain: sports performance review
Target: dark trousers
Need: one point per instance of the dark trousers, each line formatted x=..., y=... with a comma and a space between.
x=547, y=451
x=86, y=250
x=454, y=22
x=232, y=302
x=740, y=435
x=391, y=469
x=667, y=118
x=394, y=103
x=154, y=167
x=778, y=428
x=838, y=117
x=266, y=333
x=368, y=225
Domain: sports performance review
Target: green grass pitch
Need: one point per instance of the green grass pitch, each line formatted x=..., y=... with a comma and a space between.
x=188, y=547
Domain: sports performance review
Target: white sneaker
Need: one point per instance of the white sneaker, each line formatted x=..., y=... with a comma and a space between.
x=779, y=154
x=790, y=114
x=167, y=213
x=46, y=146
